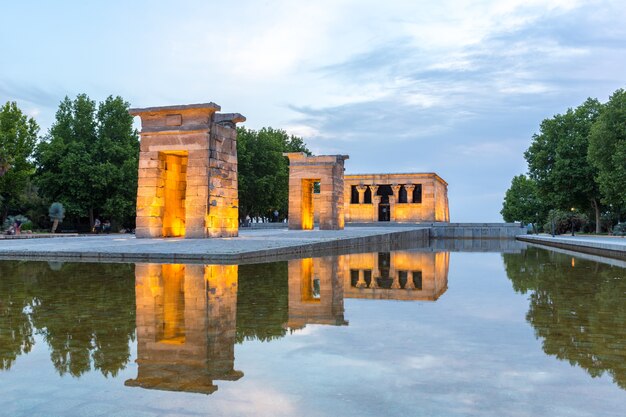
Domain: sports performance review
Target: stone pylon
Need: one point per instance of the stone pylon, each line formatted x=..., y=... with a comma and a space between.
x=187, y=172
x=304, y=172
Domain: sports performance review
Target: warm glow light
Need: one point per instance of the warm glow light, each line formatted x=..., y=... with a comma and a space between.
x=308, y=217
x=172, y=329
x=174, y=177
x=306, y=289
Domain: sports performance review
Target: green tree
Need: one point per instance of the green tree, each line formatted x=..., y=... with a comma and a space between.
x=558, y=162
x=263, y=171
x=18, y=137
x=116, y=156
x=607, y=150
x=88, y=160
x=522, y=202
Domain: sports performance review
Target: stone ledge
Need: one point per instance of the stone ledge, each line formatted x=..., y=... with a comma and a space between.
x=38, y=235
x=613, y=247
x=257, y=246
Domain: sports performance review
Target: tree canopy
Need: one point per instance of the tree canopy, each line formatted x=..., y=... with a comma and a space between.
x=18, y=137
x=88, y=160
x=558, y=163
x=576, y=161
x=522, y=202
x=607, y=149
x=263, y=171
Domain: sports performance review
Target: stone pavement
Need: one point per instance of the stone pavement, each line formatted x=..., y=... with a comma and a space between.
x=612, y=246
x=251, y=245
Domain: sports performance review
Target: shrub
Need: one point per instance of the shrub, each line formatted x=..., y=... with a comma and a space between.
x=620, y=229
x=562, y=221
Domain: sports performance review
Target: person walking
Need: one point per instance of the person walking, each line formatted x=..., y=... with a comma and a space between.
x=97, y=226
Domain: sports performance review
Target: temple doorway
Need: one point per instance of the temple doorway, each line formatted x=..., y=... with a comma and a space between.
x=383, y=212
x=384, y=208
x=174, y=187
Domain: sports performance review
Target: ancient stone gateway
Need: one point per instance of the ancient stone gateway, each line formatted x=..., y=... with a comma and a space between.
x=304, y=172
x=187, y=172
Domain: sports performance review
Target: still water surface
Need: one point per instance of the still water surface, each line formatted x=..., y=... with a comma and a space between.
x=404, y=333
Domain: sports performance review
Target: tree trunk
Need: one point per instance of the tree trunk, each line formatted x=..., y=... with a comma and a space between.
x=91, y=220
x=55, y=223
x=596, y=208
x=5, y=213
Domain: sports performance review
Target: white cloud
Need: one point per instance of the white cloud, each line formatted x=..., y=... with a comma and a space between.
x=443, y=79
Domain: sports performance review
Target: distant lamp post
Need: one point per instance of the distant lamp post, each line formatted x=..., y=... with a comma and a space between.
x=572, y=219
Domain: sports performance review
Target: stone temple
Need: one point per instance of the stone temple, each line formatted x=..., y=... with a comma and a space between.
x=187, y=184
x=417, y=197
x=403, y=198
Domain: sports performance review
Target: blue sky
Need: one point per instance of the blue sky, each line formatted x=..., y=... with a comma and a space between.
x=453, y=87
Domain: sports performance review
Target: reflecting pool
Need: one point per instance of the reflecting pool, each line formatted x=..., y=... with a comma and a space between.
x=417, y=332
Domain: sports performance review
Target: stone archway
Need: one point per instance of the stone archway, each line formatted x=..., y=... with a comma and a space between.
x=187, y=185
x=304, y=172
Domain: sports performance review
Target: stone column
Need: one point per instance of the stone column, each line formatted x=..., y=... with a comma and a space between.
x=409, y=281
x=393, y=200
x=409, y=192
x=375, y=202
x=361, y=282
x=396, y=191
x=396, y=279
x=361, y=190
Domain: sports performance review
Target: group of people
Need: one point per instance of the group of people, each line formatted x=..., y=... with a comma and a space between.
x=15, y=228
x=99, y=227
x=247, y=221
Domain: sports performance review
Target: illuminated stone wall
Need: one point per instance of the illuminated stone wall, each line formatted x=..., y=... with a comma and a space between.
x=432, y=208
x=186, y=326
x=304, y=171
x=187, y=183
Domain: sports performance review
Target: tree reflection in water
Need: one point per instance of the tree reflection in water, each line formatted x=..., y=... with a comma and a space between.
x=16, y=330
x=577, y=306
x=84, y=312
x=188, y=318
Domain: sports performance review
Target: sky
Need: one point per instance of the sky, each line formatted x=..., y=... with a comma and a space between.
x=452, y=87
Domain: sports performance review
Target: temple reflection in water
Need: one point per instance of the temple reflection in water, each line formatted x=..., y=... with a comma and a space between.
x=186, y=326
x=187, y=319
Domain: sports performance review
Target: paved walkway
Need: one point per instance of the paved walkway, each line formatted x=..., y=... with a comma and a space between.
x=250, y=245
x=614, y=246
